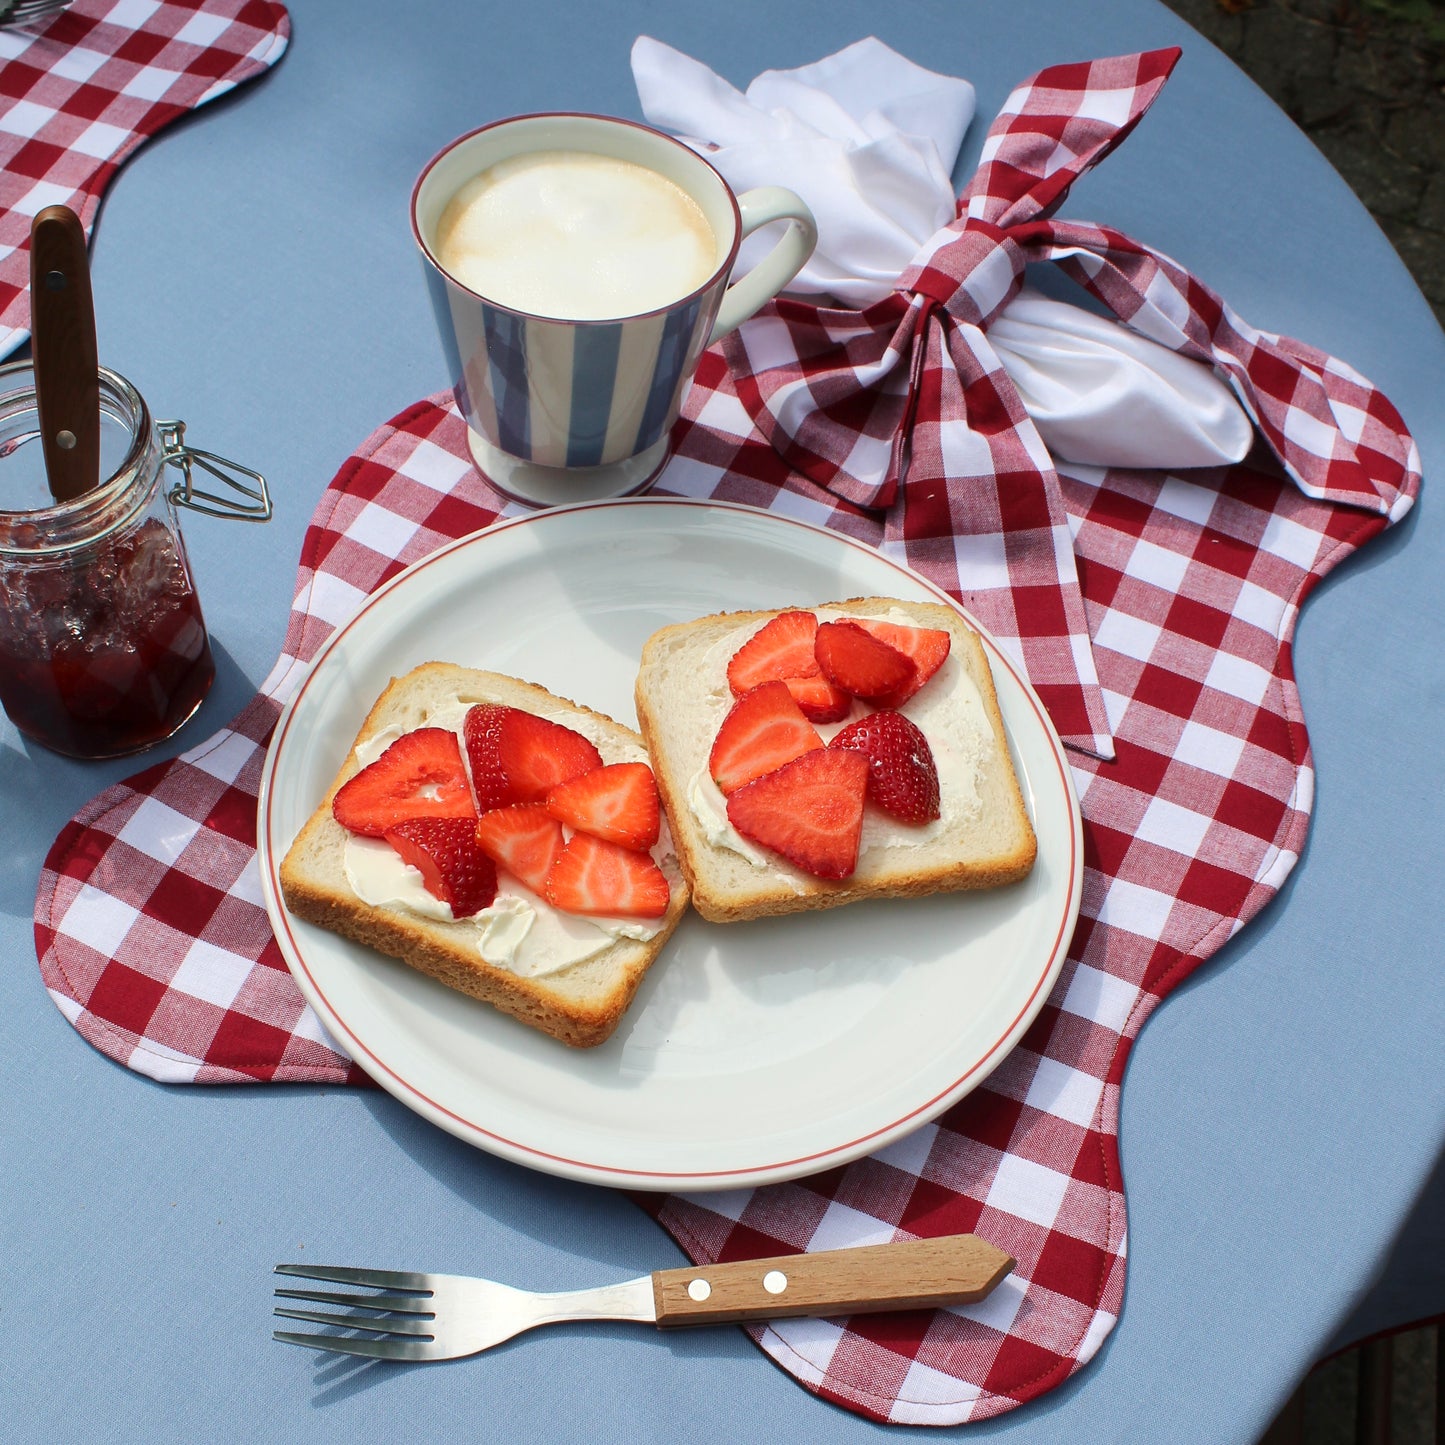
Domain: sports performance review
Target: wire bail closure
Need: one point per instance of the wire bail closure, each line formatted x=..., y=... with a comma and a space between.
x=252, y=505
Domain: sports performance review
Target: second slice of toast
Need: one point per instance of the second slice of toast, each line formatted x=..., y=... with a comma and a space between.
x=982, y=839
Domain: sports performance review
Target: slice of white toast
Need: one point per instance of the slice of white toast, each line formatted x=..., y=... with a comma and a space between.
x=982, y=839
x=580, y=1004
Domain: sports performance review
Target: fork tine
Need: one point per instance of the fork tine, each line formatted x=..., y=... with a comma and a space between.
x=344, y=1345
x=397, y=1326
x=370, y=1278
x=406, y=1304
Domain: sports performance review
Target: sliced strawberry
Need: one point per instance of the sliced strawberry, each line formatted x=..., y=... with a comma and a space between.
x=452, y=866
x=810, y=811
x=591, y=876
x=517, y=757
x=926, y=647
x=419, y=776
x=819, y=700
x=480, y=734
x=764, y=730
x=782, y=647
x=858, y=662
x=618, y=804
x=902, y=776
x=524, y=839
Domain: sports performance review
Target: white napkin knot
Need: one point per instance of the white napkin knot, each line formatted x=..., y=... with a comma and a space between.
x=869, y=140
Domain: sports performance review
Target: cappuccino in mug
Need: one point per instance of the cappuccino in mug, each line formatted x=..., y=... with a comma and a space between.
x=577, y=267
x=577, y=236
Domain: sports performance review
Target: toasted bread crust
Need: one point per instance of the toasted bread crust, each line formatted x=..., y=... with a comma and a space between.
x=726, y=889
x=581, y=1005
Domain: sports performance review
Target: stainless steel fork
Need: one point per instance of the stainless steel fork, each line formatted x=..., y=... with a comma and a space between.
x=445, y=1316
x=29, y=12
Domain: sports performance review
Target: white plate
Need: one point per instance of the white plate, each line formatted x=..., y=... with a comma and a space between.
x=754, y=1052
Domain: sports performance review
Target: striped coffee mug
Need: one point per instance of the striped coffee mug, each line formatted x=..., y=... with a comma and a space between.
x=564, y=402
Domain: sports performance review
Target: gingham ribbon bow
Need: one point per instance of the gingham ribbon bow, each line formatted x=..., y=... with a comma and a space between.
x=905, y=407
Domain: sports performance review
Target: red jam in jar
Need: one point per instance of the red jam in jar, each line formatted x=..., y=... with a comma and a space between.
x=103, y=650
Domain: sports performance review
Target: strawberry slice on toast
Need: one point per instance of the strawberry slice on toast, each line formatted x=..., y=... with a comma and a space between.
x=421, y=775
x=518, y=757
x=524, y=839
x=783, y=650
x=593, y=877
x=452, y=866
x=617, y=803
x=902, y=775
x=781, y=647
x=860, y=663
x=926, y=647
x=819, y=700
x=764, y=729
x=810, y=810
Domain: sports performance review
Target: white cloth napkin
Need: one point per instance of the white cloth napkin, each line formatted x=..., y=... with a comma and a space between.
x=868, y=139
x=1105, y=396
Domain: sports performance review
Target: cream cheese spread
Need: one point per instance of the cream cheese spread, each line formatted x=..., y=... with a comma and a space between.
x=948, y=710
x=518, y=930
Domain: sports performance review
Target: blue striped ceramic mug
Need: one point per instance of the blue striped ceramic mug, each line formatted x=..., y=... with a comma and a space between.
x=571, y=372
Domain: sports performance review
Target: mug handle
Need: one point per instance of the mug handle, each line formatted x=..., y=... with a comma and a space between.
x=759, y=207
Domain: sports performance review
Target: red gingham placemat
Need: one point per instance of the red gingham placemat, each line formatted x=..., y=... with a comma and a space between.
x=153, y=940
x=79, y=92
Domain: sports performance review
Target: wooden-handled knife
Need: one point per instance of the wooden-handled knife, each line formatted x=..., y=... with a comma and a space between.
x=62, y=324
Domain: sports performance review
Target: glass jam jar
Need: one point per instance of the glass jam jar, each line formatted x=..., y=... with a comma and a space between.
x=103, y=649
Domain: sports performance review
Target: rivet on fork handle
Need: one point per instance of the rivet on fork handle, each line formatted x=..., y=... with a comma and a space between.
x=914, y=1274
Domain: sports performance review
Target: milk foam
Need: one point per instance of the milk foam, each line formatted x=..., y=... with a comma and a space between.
x=574, y=235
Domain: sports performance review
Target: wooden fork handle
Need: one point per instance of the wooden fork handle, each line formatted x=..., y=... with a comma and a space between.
x=911, y=1274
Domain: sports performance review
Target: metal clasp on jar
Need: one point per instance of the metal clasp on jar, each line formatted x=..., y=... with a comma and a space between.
x=253, y=504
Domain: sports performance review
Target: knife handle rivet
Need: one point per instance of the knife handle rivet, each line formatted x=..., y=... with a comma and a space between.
x=55, y=280
x=775, y=1281
x=698, y=1289
x=65, y=440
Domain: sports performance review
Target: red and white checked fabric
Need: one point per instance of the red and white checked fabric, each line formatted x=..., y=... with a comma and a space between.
x=909, y=396
x=153, y=941
x=79, y=92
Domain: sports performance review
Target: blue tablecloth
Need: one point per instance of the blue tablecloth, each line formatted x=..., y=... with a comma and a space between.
x=254, y=274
